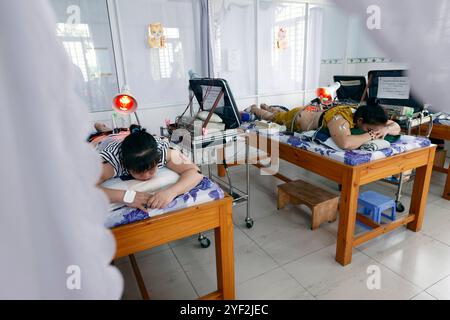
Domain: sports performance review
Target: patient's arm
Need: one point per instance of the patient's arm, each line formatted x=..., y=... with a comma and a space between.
x=391, y=128
x=116, y=196
x=340, y=132
x=189, y=178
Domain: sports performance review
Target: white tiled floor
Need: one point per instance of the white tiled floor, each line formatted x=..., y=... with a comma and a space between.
x=281, y=258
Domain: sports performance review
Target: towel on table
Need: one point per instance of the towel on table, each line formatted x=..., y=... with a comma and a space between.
x=390, y=138
x=323, y=137
x=375, y=145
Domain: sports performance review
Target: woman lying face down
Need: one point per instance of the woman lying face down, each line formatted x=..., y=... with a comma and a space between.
x=339, y=120
x=136, y=154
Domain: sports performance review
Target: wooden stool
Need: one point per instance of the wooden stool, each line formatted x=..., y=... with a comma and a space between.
x=323, y=204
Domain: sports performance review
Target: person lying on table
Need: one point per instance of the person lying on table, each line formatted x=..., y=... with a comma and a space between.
x=136, y=154
x=371, y=119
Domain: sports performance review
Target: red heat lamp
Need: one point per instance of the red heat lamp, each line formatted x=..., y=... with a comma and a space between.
x=323, y=94
x=327, y=94
x=125, y=103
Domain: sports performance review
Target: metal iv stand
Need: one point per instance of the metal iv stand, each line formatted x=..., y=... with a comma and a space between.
x=239, y=196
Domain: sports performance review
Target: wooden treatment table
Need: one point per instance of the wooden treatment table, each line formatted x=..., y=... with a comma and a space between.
x=158, y=230
x=351, y=178
x=440, y=131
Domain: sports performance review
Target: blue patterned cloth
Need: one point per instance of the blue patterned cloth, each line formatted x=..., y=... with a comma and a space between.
x=443, y=118
x=349, y=157
x=205, y=191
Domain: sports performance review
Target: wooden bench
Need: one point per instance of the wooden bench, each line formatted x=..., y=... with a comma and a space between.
x=323, y=204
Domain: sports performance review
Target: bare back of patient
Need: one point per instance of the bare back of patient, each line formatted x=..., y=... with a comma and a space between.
x=304, y=119
x=308, y=120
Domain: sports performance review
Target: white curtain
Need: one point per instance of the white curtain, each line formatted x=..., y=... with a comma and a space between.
x=314, y=47
x=51, y=215
x=281, y=70
x=206, y=38
x=416, y=32
x=233, y=32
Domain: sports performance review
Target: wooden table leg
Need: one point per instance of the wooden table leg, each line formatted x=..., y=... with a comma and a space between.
x=221, y=170
x=220, y=167
x=347, y=217
x=420, y=193
x=139, y=279
x=446, y=194
x=225, y=254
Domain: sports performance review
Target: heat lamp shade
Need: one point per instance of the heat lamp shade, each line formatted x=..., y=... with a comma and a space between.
x=124, y=103
x=327, y=94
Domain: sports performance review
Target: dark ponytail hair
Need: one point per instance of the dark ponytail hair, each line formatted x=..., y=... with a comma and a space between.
x=371, y=113
x=139, y=150
x=134, y=128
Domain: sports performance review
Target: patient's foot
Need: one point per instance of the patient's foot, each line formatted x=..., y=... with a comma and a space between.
x=101, y=127
x=271, y=109
x=265, y=107
x=251, y=109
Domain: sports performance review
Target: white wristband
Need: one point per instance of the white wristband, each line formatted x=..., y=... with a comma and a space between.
x=129, y=196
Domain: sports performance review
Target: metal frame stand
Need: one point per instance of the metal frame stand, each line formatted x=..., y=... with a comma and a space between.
x=248, y=220
x=399, y=205
x=239, y=196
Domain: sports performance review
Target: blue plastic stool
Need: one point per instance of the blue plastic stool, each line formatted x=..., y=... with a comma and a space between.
x=374, y=204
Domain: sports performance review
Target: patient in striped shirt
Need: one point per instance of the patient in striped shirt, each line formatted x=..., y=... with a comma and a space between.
x=135, y=154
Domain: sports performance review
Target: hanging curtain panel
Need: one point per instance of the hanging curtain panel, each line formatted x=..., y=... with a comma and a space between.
x=161, y=41
x=314, y=47
x=281, y=32
x=207, y=39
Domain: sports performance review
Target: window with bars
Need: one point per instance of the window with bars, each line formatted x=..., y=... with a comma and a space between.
x=172, y=55
x=291, y=18
x=76, y=41
x=88, y=43
x=281, y=66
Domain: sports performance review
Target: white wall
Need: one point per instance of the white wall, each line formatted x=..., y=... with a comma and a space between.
x=235, y=46
x=345, y=43
x=358, y=69
x=335, y=29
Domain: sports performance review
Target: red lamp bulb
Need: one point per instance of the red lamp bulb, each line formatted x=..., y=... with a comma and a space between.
x=124, y=103
x=324, y=95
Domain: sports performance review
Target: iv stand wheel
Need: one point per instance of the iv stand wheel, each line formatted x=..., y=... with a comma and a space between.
x=204, y=241
x=249, y=223
x=399, y=206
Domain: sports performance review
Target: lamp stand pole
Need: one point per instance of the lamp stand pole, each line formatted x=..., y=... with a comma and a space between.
x=137, y=118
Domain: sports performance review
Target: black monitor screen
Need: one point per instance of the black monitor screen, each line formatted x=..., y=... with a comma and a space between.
x=391, y=87
x=206, y=91
x=351, y=89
